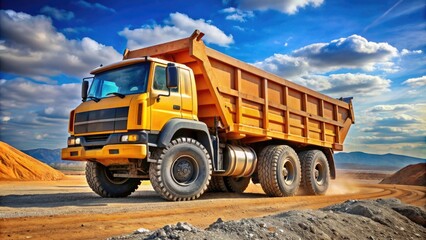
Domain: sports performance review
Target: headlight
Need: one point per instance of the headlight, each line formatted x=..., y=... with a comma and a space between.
x=130, y=138
x=72, y=141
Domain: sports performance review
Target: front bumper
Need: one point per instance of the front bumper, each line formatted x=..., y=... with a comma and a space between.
x=110, y=152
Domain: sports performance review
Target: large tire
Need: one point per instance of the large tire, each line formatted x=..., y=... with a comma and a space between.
x=217, y=184
x=237, y=185
x=102, y=182
x=315, y=172
x=279, y=171
x=182, y=171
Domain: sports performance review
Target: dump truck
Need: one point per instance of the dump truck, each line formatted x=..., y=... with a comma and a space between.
x=191, y=119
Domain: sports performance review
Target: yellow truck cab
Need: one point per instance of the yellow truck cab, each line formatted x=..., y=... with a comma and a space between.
x=126, y=101
x=191, y=119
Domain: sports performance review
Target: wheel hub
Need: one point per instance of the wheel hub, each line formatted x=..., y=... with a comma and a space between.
x=288, y=172
x=318, y=174
x=183, y=170
x=285, y=173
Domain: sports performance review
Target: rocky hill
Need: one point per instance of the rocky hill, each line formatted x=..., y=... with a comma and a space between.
x=410, y=175
x=16, y=165
x=374, y=219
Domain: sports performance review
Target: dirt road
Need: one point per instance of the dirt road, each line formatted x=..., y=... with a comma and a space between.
x=68, y=209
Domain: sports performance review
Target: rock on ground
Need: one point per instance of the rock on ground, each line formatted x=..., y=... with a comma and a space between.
x=353, y=219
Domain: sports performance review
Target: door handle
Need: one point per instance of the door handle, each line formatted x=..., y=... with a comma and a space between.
x=176, y=107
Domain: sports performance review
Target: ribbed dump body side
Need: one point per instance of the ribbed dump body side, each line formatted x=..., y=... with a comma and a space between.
x=254, y=105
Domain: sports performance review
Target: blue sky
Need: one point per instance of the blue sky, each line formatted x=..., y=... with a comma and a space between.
x=373, y=51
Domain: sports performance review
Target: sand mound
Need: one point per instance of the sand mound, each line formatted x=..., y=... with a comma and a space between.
x=16, y=165
x=410, y=175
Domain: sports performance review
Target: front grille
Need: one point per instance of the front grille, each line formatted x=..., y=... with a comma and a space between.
x=96, y=138
x=101, y=120
x=93, y=147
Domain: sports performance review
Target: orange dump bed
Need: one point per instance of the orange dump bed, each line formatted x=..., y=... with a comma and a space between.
x=254, y=105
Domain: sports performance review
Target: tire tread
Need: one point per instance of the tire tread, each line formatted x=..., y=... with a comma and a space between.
x=307, y=158
x=97, y=186
x=267, y=170
x=155, y=170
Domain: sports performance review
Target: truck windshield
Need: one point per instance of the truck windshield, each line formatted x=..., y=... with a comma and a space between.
x=120, y=81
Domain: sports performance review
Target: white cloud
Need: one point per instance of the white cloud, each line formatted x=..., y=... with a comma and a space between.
x=353, y=52
x=49, y=110
x=398, y=120
x=178, y=26
x=32, y=47
x=41, y=136
x=23, y=94
x=408, y=52
x=415, y=82
x=76, y=30
x=6, y=119
x=35, y=109
x=58, y=14
x=96, y=5
x=392, y=125
x=285, y=65
x=235, y=14
x=239, y=28
x=288, y=7
x=348, y=84
x=313, y=64
x=392, y=108
x=391, y=140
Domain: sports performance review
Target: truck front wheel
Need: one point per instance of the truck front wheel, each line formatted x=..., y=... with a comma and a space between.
x=315, y=172
x=102, y=181
x=182, y=171
x=279, y=171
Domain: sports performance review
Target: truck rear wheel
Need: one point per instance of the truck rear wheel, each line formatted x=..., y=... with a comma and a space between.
x=182, y=171
x=279, y=171
x=315, y=172
x=102, y=181
x=217, y=184
x=237, y=184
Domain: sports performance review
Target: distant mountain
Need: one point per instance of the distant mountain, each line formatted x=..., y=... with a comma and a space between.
x=368, y=161
x=49, y=156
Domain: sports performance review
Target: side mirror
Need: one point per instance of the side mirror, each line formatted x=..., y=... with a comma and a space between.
x=172, y=76
x=84, y=88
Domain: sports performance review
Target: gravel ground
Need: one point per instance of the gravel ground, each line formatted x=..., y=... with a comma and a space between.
x=353, y=219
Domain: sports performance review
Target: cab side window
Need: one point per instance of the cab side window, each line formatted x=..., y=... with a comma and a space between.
x=185, y=79
x=160, y=79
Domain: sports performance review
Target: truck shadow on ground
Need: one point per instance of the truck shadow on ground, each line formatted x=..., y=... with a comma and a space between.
x=89, y=199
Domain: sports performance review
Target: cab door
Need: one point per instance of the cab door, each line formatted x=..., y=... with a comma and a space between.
x=163, y=108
